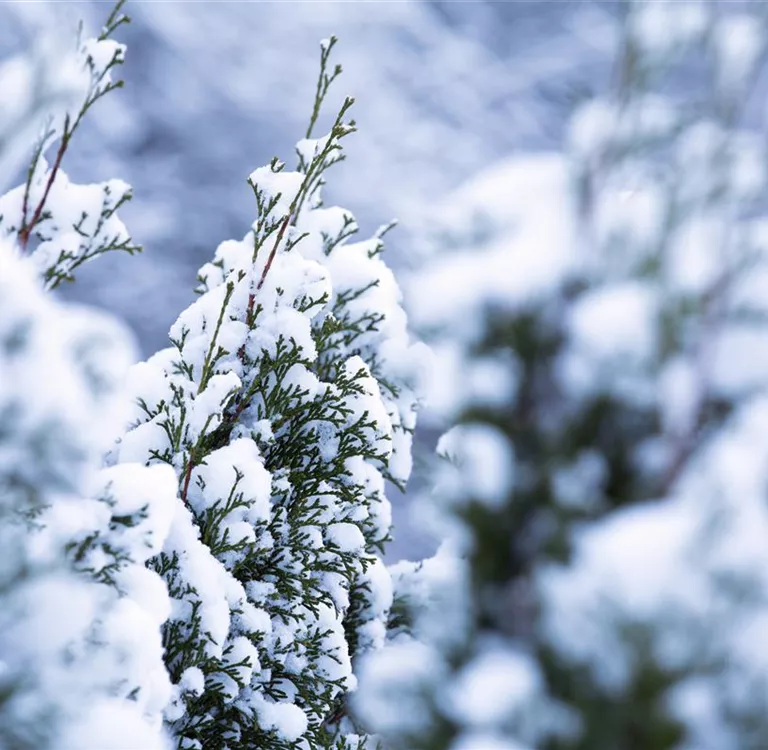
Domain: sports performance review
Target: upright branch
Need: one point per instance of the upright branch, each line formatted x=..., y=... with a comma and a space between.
x=324, y=81
x=328, y=154
x=324, y=152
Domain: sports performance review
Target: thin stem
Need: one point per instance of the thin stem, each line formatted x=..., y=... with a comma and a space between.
x=324, y=82
x=26, y=229
x=187, y=477
x=252, y=296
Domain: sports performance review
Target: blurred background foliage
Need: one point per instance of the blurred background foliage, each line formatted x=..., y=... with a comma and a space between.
x=443, y=89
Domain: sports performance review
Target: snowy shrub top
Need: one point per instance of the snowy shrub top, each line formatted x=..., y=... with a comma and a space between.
x=287, y=397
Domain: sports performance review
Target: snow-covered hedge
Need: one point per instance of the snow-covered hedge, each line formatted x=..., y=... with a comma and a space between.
x=605, y=358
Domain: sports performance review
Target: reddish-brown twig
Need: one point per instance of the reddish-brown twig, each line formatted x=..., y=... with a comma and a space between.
x=267, y=266
x=27, y=227
x=187, y=477
x=191, y=463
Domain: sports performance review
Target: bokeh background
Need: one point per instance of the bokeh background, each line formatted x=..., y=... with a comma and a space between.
x=445, y=91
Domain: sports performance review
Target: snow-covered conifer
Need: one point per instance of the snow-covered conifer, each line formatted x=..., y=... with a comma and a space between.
x=610, y=511
x=286, y=399
x=80, y=646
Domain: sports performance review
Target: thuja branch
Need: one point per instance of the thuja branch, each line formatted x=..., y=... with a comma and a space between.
x=311, y=180
x=319, y=163
x=114, y=20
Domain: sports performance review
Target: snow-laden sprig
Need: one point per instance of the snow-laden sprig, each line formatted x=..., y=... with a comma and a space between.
x=33, y=84
x=287, y=394
x=60, y=224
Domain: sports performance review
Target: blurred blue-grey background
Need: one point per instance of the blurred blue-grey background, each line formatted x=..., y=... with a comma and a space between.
x=444, y=90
